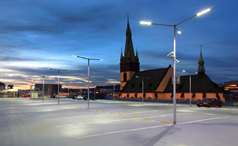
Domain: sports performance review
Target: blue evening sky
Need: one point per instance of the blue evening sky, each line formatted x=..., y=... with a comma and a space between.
x=36, y=35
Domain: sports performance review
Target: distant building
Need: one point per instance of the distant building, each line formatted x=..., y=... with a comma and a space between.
x=48, y=88
x=6, y=93
x=108, y=90
x=10, y=86
x=231, y=87
x=2, y=86
x=157, y=82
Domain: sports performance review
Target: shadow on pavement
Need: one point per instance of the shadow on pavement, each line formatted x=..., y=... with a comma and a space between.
x=158, y=137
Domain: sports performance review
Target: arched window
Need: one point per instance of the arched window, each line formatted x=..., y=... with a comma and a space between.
x=125, y=77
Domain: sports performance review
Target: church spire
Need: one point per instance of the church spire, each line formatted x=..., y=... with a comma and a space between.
x=201, y=68
x=129, y=61
x=129, y=54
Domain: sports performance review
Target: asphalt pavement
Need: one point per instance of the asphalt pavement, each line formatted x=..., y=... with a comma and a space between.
x=25, y=122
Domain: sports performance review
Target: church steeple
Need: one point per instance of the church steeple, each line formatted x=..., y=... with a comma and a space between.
x=129, y=54
x=201, y=68
x=129, y=63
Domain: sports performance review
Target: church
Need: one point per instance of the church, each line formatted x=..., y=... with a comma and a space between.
x=157, y=82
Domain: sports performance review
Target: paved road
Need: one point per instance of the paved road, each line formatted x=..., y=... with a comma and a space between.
x=25, y=122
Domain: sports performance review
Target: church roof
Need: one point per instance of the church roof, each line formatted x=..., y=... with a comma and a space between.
x=199, y=83
x=155, y=77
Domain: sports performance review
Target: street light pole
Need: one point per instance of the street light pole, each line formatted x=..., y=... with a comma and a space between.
x=190, y=86
x=58, y=79
x=114, y=92
x=88, y=71
x=173, y=54
x=43, y=88
x=68, y=91
x=142, y=78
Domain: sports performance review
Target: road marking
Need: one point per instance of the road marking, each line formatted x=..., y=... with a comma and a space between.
x=122, y=115
x=194, y=106
x=121, y=131
x=165, y=122
x=147, y=119
x=114, y=113
x=104, y=111
x=202, y=120
x=98, y=110
x=143, y=112
x=102, y=121
x=135, y=116
x=225, y=108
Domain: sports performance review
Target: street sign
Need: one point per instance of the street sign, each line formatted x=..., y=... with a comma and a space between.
x=177, y=79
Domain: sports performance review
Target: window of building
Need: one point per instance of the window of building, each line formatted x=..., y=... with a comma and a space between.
x=125, y=77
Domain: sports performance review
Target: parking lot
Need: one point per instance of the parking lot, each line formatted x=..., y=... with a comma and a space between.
x=26, y=123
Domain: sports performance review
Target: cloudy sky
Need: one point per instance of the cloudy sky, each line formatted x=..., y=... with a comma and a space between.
x=36, y=35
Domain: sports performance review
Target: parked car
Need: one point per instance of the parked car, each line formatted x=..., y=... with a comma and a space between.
x=90, y=98
x=208, y=102
x=52, y=96
x=78, y=97
x=60, y=96
x=24, y=96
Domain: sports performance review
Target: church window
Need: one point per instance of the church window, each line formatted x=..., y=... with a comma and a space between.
x=125, y=77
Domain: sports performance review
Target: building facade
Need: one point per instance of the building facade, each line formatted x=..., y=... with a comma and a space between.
x=48, y=88
x=157, y=83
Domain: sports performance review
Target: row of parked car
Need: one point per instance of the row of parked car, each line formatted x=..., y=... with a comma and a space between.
x=84, y=97
x=58, y=96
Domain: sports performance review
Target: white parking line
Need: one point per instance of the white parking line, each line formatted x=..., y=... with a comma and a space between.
x=202, y=120
x=128, y=130
x=98, y=122
x=120, y=131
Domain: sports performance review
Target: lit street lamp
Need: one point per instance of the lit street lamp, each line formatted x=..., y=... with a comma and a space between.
x=88, y=70
x=142, y=78
x=58, y=79
x=173, y=54
x=190, y=85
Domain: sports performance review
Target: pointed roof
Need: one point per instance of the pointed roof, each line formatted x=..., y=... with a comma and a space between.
x=201, y=68
x=201, y=61
x=202, y=84
x=151, y=84
x=129, y=55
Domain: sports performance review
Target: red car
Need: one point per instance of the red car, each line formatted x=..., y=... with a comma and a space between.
x=208, y=102
x=26, y=96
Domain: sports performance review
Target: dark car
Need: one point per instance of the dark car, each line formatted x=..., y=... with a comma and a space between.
x=208, y=102
x=90, y=98
x=52, y=96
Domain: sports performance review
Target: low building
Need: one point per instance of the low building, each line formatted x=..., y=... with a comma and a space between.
x=48, y=88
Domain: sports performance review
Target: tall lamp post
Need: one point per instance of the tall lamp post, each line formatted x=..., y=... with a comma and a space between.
x=190, y=85
x=142, y=78
x=58, y=79
x=173, y=54
x=43, y=87
x=88, y=70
